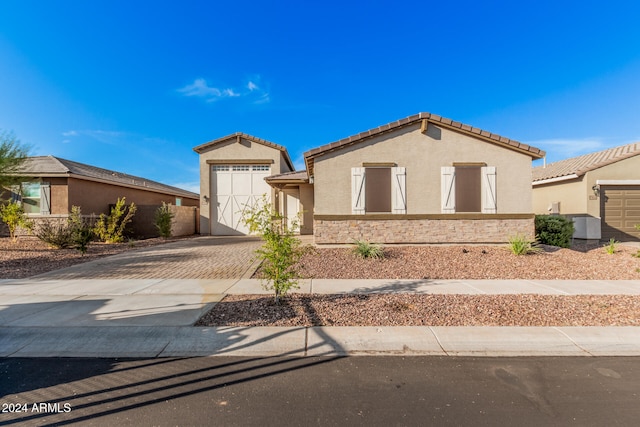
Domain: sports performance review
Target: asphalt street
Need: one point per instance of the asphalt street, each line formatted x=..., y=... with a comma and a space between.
x=372, y=391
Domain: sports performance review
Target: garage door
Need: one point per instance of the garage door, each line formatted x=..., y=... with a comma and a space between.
x=620, y=211
x=234, y=188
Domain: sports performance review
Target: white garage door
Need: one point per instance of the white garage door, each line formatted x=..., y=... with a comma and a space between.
x=234, y=188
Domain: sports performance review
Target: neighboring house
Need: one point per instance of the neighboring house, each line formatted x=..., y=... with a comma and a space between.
x=53, y=185
x=422, y=179
x=600, y=191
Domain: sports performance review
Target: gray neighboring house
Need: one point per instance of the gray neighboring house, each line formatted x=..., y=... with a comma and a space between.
x=600, y=191
x=421, y=179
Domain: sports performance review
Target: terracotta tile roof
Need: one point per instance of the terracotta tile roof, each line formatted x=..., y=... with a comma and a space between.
x=580, y=165
x=431, y=118
x=299, y=176
x=50, y=166
x=204, y=147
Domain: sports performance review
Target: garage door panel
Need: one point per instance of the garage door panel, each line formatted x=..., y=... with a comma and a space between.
x=620, y=212
x=241, y=183
x=223, y=183
x=236, y=188
x=223, y=210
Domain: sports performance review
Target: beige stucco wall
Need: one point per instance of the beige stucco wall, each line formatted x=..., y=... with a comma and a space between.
x=628, y=169
x=576, y=196
x=233, y=151
x=306, y=207
x=422, y=155
x=571, y=194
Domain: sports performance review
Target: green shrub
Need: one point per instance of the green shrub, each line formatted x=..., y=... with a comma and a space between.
x=163, y=218
x=365, y=250
x=554, y=230
x=281, y=250
x=520, y=245
x=110, y=228
x=13, y=215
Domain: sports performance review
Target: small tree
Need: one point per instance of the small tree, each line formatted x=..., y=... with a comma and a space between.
x=163, y=219
x=110, y=228
x=281, y=250
x=12, y=154
x=13, y=215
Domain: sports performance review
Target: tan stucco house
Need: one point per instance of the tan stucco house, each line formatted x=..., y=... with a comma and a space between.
x=600, y=191
x=422, y=179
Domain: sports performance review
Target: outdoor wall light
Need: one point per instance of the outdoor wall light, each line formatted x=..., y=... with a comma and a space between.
x=206, y=199
x=596, y=190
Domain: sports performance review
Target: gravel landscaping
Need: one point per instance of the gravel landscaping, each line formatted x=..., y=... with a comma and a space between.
x=585, y=262
x=425, y=310
x=29, y=257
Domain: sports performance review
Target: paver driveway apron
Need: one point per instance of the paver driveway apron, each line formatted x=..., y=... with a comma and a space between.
x=169, y=285
x=199, y=258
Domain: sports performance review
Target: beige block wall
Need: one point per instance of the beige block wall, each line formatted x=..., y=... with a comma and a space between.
x=232, y=150
x=422, y=155
x=422, y=230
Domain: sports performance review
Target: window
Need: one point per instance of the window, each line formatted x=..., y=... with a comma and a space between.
x=468, y=189
x=261, y=168
x=378, y=190
x=34, y=197
x=178, y=201
x=221, y=168
x=240, y=168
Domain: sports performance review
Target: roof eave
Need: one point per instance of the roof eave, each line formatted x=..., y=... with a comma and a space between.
x=555, y=179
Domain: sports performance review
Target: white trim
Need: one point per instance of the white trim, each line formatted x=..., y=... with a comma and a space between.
x=488, y=190
x=448, y=189
x=618, y=182
x=357, y=191
x=556, y=179
x=398, y=190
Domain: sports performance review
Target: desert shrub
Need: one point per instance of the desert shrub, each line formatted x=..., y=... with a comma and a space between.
x=554, y=230
x=75, y=232
x=520, y=245
x=110, y=228
x=611, y=247
x=365, y=250
x=13, y=215
x=163, y=218
x=281, y=250
x=55, y=232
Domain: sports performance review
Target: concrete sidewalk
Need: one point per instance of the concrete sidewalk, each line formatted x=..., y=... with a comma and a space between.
x=153, y=318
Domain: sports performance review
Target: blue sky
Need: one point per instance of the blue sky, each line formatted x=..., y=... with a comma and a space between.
x=134, y=86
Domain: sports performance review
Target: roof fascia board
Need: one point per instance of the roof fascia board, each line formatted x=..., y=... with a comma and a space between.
x=618, y=181
x=556, y=179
